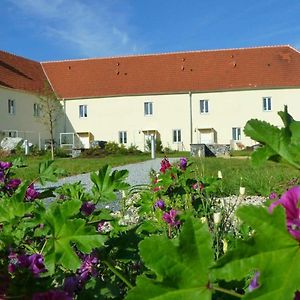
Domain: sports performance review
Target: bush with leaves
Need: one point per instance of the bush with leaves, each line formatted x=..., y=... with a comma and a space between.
x=73, y=247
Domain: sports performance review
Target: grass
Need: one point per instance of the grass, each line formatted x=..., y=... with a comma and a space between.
x=270, y=177
x=74, y=166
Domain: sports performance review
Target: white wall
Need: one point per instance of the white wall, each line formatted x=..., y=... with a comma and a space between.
x=235, y=108
x=107, y=116
x=23, y=121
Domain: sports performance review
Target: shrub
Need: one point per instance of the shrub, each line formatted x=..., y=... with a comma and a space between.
x=93, y=152
x=112, y=148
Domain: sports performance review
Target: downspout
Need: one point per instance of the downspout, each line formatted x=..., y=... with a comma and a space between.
x=191, y=118
x=65, y=116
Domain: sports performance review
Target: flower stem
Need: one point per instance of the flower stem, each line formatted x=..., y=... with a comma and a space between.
x=117, y=273
x=228, y=292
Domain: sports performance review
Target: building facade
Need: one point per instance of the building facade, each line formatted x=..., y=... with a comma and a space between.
x=182, y=98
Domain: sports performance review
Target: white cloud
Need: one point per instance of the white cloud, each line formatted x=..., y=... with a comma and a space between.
x=94, y=29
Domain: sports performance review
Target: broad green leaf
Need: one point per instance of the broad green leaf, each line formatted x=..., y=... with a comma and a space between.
x=107, y=183
x=15, y=207
x=48, y=172
x=181, y=266
x=66, y=232
x=272, y=251
x=284, y=142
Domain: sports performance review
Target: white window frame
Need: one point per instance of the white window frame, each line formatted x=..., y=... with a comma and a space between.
x=236, y=133
x=203, y=106
x=11, y=106
x=176, y=136
x=122, y=137
x=148, y=108
x=36, y=109
x=83, y=113
x=267, y=103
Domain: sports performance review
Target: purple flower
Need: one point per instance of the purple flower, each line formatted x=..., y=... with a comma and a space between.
x=13, y=262
x=254, y=284
x=13, y=184
x=164, y=165
x=36, y=264
x=2, y=176
x=160, y=204
x=273, y=196
x=5, y=165
x=87, y=268
x=87, y=208
x=52, y=295
x=183, y=163
x=71, y=285
x=31, y=193
x=289, y=200
x=170, y=218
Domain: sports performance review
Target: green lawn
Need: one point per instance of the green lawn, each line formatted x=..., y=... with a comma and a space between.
x=239, y=171
x=236, y=171
x=74, y=166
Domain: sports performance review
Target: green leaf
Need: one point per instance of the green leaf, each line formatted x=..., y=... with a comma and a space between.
x=276, y=141
x=107, y=183
x=181, y=266
x=66, y=232
x=48, y=172
x=272, y=251
x=14, y=207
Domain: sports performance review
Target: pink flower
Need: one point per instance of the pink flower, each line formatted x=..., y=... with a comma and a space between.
x=31, y=193
x=289, y=200
x=164, y=165
x=170, y=218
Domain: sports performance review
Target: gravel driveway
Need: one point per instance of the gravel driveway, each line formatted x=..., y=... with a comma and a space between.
x=138, y=174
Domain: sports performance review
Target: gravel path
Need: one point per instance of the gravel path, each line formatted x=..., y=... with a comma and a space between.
x=138, y=174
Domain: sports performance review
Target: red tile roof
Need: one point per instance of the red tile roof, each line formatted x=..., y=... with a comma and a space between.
x=21, y=73
x=249, y=68
x=197, y=71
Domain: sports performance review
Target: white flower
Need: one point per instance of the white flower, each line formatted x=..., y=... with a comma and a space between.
x=217, y=218
x=242, y=190
x=225, y=246
x=203, y=220
x=220, y=176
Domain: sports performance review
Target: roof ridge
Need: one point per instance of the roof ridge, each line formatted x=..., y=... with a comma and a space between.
x=170, y=53
x=20, y=56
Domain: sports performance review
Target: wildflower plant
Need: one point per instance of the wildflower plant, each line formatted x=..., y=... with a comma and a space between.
x=172, y=240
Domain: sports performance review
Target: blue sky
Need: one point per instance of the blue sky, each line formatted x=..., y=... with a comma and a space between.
x=68, y=29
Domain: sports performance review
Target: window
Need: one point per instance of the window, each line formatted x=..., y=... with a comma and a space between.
x=203, y=106
x=82, y=111
x=123, y=137
x=36, y=109
x=236, y=133
x=148, y=108
x=11, y=107
x=267, y=104
x=176, y=135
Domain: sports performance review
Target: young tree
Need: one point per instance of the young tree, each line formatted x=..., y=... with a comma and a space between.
x=51, y=110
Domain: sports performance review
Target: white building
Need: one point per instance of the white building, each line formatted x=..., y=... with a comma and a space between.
x=184, y=98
